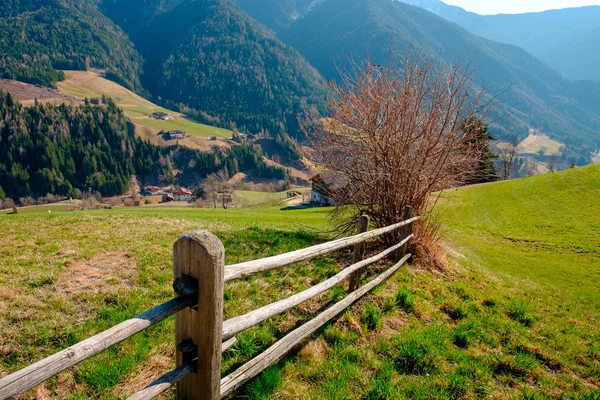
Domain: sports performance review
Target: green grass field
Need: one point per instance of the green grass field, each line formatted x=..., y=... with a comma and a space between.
x=516, y=316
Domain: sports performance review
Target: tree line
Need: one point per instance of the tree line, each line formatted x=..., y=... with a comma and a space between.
x=57, y=149
x=64, y=149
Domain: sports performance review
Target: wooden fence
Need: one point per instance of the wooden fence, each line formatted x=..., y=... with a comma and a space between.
x=201, y=334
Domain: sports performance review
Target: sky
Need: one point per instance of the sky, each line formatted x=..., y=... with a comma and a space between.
x=517, y=6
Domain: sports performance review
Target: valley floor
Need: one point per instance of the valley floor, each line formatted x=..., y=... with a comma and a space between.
x=517, y=314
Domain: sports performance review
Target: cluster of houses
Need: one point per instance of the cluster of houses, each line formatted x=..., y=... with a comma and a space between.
x=323, y=186
x=179, y=194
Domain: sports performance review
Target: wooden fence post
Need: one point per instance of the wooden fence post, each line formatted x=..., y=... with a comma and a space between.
x=199, y=258
x=359, y=253
x=407, y=213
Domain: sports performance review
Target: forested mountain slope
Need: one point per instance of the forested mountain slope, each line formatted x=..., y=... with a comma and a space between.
x=530, y=94
x=39, y=37
x=210, y=59
x=566, y=39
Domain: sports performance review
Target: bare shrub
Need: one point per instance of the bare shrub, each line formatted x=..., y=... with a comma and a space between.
x=393, y=137
x=218, y=189
x=8, y=203
x=50, y=198
x=27, y=201
x=114, y=201
x=507, y=156
x=129, y=202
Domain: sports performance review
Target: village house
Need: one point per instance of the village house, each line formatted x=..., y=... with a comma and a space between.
x=324, y=185
x=173, y=135
x=150, y=191
x=95, y=101
x=161, y=116
x=182, y=194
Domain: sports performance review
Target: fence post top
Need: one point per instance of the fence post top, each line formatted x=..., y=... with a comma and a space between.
x=204, y=238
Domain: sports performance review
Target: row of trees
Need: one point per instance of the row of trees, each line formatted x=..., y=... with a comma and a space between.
x=58, y=149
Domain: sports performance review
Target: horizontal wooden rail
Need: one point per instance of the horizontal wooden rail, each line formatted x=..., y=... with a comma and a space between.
x=279, y=349
x=163, y=383
x=33, y=375
x=228, y=344
x=233, y=326
x=249, y=268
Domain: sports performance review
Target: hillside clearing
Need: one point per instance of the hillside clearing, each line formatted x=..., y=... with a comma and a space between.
x=534, y=144
x=87, y=84
x=517, y=314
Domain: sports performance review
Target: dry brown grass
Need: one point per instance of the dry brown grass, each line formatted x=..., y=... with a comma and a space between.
x=314, y=352
x=100, y=274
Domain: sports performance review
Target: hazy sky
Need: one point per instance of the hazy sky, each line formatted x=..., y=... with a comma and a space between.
x=517, y=6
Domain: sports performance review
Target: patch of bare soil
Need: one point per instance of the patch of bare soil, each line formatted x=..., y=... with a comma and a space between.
x=24, y=92
x=101, y=274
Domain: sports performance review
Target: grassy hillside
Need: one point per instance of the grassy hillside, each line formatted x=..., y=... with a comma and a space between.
x=515, y=316
x=88, y=84
x=545, y=229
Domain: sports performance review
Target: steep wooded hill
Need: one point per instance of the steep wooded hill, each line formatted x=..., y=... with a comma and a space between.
x=211, y=60
x=531, y=94
x=39, y=37
x=566, y=39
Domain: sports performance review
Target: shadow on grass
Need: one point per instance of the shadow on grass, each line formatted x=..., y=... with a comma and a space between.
x=297, y=207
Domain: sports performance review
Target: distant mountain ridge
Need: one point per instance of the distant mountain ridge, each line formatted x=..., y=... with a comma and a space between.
x=565, y=39
x=537, y=97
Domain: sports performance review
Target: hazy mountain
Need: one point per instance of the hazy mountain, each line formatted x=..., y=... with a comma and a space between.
x=532, y=94
x=222, y=66
x=37, y=37
x=567, y=39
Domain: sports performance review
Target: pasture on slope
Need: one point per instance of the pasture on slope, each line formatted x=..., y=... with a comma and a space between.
x=516, y=314
x=87, y=84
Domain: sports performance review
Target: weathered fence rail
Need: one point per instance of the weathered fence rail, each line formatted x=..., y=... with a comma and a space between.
x=201, y=334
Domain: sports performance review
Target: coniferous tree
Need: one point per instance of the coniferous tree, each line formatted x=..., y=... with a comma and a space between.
x=478, y=137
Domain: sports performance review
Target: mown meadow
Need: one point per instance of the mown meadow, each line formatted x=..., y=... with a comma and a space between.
x=516, y=315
